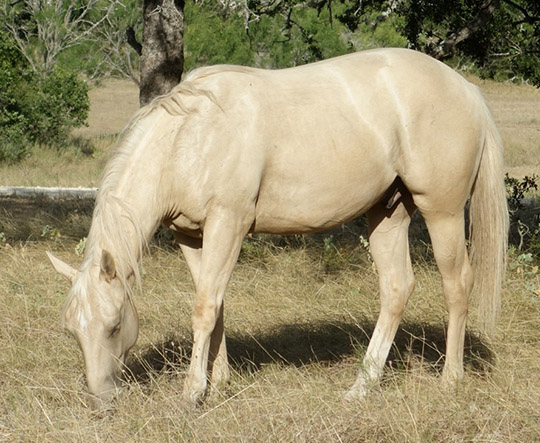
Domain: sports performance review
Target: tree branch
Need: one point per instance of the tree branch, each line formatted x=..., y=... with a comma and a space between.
x=527, y=18
x=448, y=45
x=132, y=40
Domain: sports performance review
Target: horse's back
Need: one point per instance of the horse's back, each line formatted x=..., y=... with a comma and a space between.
x=321, y=143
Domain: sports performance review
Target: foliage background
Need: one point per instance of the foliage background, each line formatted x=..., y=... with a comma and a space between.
x=36, y=108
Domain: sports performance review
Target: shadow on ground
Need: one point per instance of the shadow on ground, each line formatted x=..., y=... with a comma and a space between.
x=41, y=219
x=295, y=344
x=318, y=343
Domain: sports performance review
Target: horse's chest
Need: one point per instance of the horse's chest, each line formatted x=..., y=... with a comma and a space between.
x=184, y=225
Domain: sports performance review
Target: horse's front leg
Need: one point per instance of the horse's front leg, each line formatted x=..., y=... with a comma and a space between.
x=223, y=235
x=218, y=365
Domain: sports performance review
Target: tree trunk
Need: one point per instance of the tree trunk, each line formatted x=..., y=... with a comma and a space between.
x=162, y=56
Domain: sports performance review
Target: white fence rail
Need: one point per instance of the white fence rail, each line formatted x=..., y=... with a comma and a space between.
x=48, y=193
x=38, y=192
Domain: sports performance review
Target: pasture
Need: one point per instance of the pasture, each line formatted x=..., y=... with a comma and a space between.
x=299, y=313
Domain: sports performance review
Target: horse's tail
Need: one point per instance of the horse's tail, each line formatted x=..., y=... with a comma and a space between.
x=489, y=229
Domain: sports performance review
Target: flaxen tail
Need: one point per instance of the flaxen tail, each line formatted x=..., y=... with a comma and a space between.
x=489, y=229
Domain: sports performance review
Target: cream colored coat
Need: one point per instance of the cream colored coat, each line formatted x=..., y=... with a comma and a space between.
x=234, y=150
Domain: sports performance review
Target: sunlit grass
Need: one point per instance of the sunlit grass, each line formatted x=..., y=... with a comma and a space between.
x=296, y=334
x=66, y=168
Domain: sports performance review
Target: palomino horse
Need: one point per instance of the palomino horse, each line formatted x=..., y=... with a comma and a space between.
x=233, y=150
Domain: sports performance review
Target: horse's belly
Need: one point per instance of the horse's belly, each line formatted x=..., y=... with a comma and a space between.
x=309, y=207
x=302, y=220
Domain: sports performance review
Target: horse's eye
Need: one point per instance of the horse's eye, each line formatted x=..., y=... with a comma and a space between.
x=114, y=330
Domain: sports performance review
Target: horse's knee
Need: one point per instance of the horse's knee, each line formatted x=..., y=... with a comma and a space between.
x=205, y=315
x=395, y=293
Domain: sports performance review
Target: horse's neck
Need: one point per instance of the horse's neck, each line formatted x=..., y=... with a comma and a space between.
x=132, y=205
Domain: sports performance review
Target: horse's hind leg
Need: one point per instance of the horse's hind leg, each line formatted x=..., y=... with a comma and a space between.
x=448, y=239
x=389, y=247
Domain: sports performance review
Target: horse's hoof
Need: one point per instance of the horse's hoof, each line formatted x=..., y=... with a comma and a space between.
x=192, y=399
x=355, y=393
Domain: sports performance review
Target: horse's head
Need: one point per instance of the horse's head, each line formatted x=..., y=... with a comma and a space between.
x=100, y=314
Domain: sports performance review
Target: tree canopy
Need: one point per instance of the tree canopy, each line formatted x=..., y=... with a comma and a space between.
x=498, y=38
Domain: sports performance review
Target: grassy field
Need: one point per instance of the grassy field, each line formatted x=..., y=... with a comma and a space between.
x=299, y=313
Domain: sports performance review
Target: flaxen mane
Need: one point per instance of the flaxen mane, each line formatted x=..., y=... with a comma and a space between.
x=110, y=214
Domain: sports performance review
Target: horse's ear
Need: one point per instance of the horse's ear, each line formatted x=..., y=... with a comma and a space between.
x=108, y=268
x=63, y=268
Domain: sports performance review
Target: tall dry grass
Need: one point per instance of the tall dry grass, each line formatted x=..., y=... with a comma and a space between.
x=296, y=333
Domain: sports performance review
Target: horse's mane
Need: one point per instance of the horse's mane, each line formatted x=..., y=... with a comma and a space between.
x=110, y=214
x=109, y=211
x=173, y=102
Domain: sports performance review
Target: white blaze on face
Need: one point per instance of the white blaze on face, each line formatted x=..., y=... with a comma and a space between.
x=82, y=319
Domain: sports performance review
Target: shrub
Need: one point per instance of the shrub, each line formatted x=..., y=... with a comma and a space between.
x=13, y=138
x=14, y=144
x=60, y=103
x=524, y=224
x=36, y=108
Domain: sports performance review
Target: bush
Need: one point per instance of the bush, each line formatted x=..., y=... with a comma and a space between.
x=524, y=224
x=58, y=104
x=14, y=144
x=13, y=139
x=36, y=108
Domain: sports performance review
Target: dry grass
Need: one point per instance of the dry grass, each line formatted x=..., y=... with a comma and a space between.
x=517, y=113
x=298, y=321
x=49, y=168
x=111, y=106
x=296, y=333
